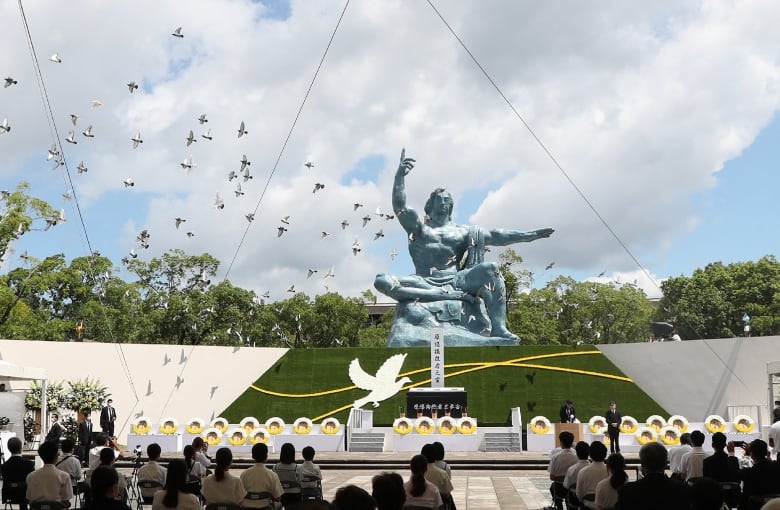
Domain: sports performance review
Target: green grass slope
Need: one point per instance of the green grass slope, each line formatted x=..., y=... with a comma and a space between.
x=495, y=378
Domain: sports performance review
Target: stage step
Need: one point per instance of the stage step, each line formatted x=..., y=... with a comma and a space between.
x=502, y=442
x=367, y=442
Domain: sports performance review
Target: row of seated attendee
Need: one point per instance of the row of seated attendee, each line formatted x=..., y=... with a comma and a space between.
x=583, y=480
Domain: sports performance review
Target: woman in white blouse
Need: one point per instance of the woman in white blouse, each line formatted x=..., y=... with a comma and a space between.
x=223, y=487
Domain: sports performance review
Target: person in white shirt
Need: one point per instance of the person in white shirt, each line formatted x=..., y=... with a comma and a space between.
x=774, y=439
x=560, y=463
x=102, y=441
x=49, y=483
x=201, y=447
x=438, y=451
x=258, y=478
x=583, y=452
x=590, y=476
x=69, y=463
x=311, y=476
x=693, y=461
x=223, y=487
x=607, y=489
x=152, y=471
x=676, y=454
x=419, y=491
x=175, y=496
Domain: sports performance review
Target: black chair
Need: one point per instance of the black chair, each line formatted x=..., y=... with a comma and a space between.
x=224, y=506
x=14, y=493
x=311, y=492
x=148, y=484
x=558, y=492
x=591, y=496
x=732, y=493
x=572, y=503
x=47, y=505
x=258, y=496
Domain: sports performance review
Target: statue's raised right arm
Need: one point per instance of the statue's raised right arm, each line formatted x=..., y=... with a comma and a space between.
x=407, y=216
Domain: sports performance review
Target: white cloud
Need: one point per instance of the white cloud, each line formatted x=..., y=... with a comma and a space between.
x=641, y=103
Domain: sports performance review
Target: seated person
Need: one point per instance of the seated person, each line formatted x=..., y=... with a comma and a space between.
x=311, y=476
x=15, y=471
x=104, y=487
x=387, y=489
x=590, y=476
x=289, y=475
x=222, y=486
x=258, y=478
x=152, y=471
x=49, y=483
x=107, y=459
x=353, y=497
x=69, y=463
x=436, y=475
x=762, y=478
x=560, y=462
x=175, y=494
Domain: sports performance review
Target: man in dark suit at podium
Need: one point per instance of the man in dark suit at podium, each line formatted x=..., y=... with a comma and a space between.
x=567, y=412
x=107, y=418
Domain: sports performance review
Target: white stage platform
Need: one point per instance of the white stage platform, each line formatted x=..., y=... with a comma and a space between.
x=451, y=442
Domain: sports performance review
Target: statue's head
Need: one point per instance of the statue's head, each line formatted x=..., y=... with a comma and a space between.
x=439, y=198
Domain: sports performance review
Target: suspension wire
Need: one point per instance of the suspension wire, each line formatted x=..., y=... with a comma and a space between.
x=287, y=139
x=49, y=113
x=551, y=156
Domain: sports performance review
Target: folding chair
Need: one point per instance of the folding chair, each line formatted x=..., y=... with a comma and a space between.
x=47, y=505
x=147, y=484
x=14, y=493
x=258, y=496
x=309, y=492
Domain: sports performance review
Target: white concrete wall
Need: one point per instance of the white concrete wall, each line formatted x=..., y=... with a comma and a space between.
x=142, y=377
x=696, y=378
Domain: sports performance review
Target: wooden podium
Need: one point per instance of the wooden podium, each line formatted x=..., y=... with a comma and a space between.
x=574, y=428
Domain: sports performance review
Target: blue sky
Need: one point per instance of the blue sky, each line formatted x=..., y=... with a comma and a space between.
x=664, y=114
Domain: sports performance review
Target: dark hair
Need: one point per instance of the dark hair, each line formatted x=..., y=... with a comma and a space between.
x=189, y=454
x=47, y=451
x=427, y=452
x=719, y=440
x=598, y=452
x=260, y=452
x=175, y=481
x=86, y=412
x=107, y=456
x=224, y=459
x=758, y=449
x=568, y=401
x=438, y=450
x=14, y=445
x=685, y=438
x=653, y=457
x=352, y=497
x=103, y=478
x=56, y=415
x=697, y=438
x=418, y=465
x=67, y=445
x=308, y=453
x=583, y=450
x=101, y=438
x=153, y=451
x=198, y=443
x=387, y=489
x=287, y=453
x=566, y=438
x=706, y=494
x=617, y=467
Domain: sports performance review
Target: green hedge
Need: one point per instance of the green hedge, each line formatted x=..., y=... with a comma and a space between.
x=491, y=391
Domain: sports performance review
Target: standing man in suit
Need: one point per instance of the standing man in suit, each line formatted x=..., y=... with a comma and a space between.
x=85, y=434
x=107, y=418
x=567, y=412
x=614, y=419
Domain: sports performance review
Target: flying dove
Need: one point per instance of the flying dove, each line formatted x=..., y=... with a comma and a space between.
x=74, y=118
x=179, y=221
x=81, y=168
x=311, y=272
x=308, y=164
x=344, y=225
x=177, y=33
x=128, y=183
x=219, y=203
x=190, y=138
x=280, y=231
x=356, y=205
x=71, y=138
x=241, y=130
x=318, y=186
x=379, y=234
x=56, y=58
x=207, y=134
x=4, y=126
x=330, y=274
x=133, y=86
x=286, y=220
x=366, y=219
x=355, y=247
x=97, y=103
x=202, y=119
x=381, y=386
x=8, y=82
x=137, y=139
x=88, y=132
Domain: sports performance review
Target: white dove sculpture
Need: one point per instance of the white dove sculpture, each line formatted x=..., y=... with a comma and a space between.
x=381, y=386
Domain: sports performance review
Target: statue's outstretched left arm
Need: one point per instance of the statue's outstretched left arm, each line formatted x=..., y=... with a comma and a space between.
x=501, y=237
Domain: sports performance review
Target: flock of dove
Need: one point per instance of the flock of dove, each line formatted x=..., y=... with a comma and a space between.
x=240, y=176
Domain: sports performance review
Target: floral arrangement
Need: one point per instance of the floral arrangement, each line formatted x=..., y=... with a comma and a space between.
x=236, y=436
x=446, y=425
x=249, y=424
x=424, y=425
x=656, y=423
x=670, y=435
x=597, y=424
x=628, y=425
x=302, y=426
x=715, y=423
x=29, y=427
x=142, y=425
x=85, y=394
x=274, y=425
x=195, y=426
x=212, y=436
x=330, y=426
x=220, y=424
x=540, y=425
x=679, y=422
x=259, y=435
x=467, y=425
x=744, y=423
x=55, y=396
x=646, y=435
x=403, y=425
x=169, y=425
x=70, y=426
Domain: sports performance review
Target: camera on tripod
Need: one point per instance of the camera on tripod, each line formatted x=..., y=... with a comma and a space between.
x=138, y=450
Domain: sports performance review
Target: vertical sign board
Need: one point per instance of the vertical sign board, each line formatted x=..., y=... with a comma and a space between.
x=437, y=358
